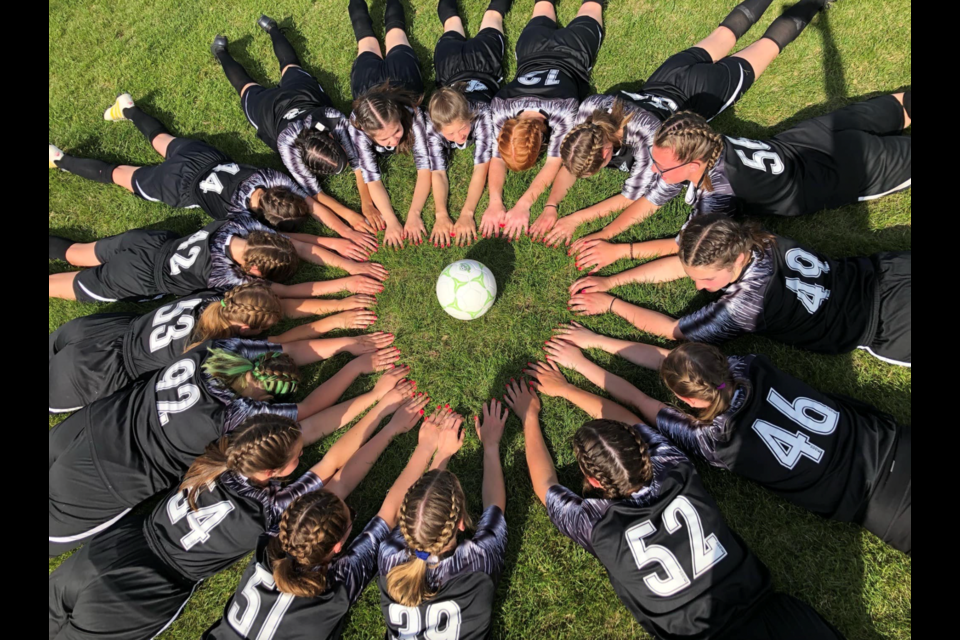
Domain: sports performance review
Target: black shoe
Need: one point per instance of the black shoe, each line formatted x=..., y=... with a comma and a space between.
x=219, y=45
x=267, y=23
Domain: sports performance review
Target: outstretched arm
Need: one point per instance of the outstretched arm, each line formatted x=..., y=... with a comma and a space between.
x=492, y=220
x=306, y=352
x=525, y=403
x=551, y=382
x=489, y=432
x=330, y=391
x=517, y=220
x=646, y=320
x=316, y=254
x=647, y=356
x=413, y=230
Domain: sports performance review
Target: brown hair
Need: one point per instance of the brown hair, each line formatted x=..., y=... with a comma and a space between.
x=448, y=106
x=321, y=154
x=520, y=142
x=692, y=140
x=276, y=371
x=252, y=304
x=281, y=208
x=273, y=253
x=715, y=240
x=310, y=528
x=261, y=443
x=429, y=520
x=382, y=105
x=614, y=454
x=582, y=148
x=695, y=370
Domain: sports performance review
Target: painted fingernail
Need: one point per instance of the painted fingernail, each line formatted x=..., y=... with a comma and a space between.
x=421, y=411
x=446, y=406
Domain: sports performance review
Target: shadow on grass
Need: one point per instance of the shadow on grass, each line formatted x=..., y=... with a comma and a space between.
x=499, y=256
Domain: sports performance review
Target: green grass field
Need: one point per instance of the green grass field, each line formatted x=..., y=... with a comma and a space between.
x=158, y=51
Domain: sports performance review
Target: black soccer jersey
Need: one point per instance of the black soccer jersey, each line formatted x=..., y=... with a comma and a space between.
x=466, y=583
x=544, y=79
x=201, y=261
x=259, y=611
x=155, y=339
x=797, y=296
x=231, y=516
x=225, y=190
x=560, y=114
x=481, y=136
x=324, y=119
x=820, y=451
x=367, y=150
x=144, y=437
x=669, y=554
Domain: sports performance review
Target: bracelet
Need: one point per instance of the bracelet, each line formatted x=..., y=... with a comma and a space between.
x=611, y=305
x=551, y=205
x=631, y=251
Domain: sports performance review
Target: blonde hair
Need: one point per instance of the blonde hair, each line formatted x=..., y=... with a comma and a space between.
x=582, y=148
x=252, y=304
x=520, y=142
x=700, y=371
x=448, y=106
x=274, y=254
x=717, y=241
x=430, y=517
x=691, y=139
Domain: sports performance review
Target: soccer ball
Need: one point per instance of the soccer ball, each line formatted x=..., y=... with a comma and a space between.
x=466, y=289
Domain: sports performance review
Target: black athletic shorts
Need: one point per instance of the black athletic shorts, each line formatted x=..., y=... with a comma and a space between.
x=458, y=59
x=400, y=67
x=86, y=360
x=783, y=617
x=127, y=269
x=694, y=82
x=115, y=587
x=269, y=110
x=893, y=340
x=889, y=513
x=859, y=150
x=573, y=48
x=174, y=180
x=80, y=503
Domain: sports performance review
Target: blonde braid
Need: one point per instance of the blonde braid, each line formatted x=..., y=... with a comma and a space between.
x=692, y=140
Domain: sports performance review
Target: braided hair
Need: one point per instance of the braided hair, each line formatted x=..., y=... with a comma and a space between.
x=276, y=372
x=281, y=208
x=430, y=517
x=520, y=142
x=689, y=136
x=311, y=527
x=717, y=241
x=700, y=371
x=382, y=105
x=252, y=304
x=582, y=148
x=321, y=154
x=614, y=454
x=273, y=254
x=261, y=443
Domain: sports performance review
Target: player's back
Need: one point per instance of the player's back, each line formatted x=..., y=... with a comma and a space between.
x=461, y=609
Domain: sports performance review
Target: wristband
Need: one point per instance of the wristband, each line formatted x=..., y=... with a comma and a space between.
x=631, y=251
x=551, y=205
x=610, y=310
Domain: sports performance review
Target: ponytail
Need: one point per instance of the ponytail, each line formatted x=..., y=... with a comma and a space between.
x=614, y=454
x=276, y=372
x=252, y=304
x=691, y=139
x=715, y=240
x=310, y=528
x=430, y=517
x=261, y=443
x=273, y=254
x=700, y=371
x=582, y=148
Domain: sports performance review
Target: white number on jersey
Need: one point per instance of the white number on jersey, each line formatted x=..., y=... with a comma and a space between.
x=174, y=377
x=536, y=77
x=242, y=620
x=443, y=621
x=706, y=551
x=474, y=85
x=761, y=154
x=788, y=447
x=201, y=522
x=163, y=333
x=212, y=181
x=178, y=262
x=660, y=102
x=812, y=296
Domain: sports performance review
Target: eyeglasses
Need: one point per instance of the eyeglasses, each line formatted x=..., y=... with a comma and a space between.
x=662, y=171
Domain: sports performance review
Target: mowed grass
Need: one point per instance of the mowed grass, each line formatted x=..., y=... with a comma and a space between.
x=158, y=51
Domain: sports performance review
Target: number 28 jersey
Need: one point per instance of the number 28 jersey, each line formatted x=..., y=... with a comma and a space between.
x=670, y=556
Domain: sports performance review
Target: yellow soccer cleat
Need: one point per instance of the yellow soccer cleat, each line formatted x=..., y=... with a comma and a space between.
x=115, y=112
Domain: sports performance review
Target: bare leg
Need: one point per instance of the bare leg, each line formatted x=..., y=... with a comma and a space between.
x=456, y=24
x=371, y=45
x=760, y=54
x=61, y=285
x=83, y=254
x=123, y=176
x=247, y=86
x=547, y=10
x=907, y=120
x=161, y=142
x=719, y=44
x=590, y=9
x=395, y=38
x=491, y=20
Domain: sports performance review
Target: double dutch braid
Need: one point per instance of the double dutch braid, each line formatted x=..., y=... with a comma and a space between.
x=614, y=454
x=692, y=140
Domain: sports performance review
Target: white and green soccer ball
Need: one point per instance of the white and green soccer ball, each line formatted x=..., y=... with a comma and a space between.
x=466, y=289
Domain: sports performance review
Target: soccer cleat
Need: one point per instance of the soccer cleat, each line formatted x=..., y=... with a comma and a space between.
x=267, y=23
x=55, y=155
x=218, y=45
x=115, y=112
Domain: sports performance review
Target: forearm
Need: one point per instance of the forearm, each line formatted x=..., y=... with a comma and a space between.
x=647, y=356
x=349, y=446
x=633, y=214
x=477, y=183
x=307, y=331
x=326, y=216
x=654, y=249
x=561, y=186
x=381, y=200
x=496, y=178
x=621, y=390
x=328, y=420
x=599, y=408
x=309, y=307
x=362, y=189
x=543, y=474
x=340, y=210
x=663, y=270
x=328, y=393
x=421, y=191
x=315, y=254
x=494, y=488
x=441, y=190
x=544, y=179
x=307, y=352
x=390, y=510
x=648, y=321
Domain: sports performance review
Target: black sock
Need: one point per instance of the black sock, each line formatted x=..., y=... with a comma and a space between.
x=793, y=21
x=447, y=9
x=500, y=6
x=283, y=49
x=234, y=71
x=908, y=103
x=96, y=170
x=394, y=18
x=149, y=126
x=360, y=18
x=58, y=248
x=744, y=16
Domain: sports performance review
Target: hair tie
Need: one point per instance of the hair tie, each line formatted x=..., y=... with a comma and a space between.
x=422, y=555
x=223, y=303
x=722, y=386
